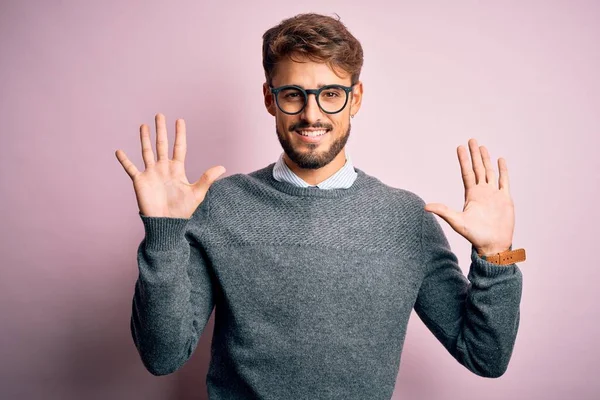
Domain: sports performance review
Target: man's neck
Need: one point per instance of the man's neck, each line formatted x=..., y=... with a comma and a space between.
x=315, y=176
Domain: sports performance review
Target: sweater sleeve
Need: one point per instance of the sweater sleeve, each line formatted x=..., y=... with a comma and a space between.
x=173, y=296
x=476, y=317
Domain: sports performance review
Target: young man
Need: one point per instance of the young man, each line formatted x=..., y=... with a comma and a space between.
x=312, y=265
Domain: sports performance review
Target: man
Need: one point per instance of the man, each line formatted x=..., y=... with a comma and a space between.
x=312, y=265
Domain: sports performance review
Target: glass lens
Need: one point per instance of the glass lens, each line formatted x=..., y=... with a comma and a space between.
x=291, y=100
x=332, y=99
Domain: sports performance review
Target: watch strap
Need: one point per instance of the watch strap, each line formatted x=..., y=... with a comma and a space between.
x=506, y=257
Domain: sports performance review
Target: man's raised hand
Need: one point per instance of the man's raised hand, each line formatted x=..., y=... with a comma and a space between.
x=162, y=189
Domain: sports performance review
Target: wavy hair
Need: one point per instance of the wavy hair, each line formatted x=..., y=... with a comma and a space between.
x=319, y=38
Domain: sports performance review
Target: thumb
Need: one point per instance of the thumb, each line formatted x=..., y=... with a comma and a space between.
x=444, y=212
x=202, y=185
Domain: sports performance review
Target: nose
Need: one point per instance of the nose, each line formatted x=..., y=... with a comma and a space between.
x=311, y=113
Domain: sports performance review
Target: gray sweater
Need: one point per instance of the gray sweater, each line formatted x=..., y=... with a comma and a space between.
x=313, y=290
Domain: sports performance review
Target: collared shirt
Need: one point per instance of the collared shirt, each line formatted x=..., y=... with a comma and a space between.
x=342, y=179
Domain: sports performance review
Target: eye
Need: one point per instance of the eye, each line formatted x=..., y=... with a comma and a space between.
x=332, y=93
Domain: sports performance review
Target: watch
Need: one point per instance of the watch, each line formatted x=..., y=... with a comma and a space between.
x=506, y=257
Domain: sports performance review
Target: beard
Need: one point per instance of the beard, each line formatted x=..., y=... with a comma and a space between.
x=312, y=159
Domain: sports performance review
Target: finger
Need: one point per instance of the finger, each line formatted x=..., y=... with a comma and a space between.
x=147, y=153
x=179, y=148
x=490, y=173
x=129, y=167
x=162, y=144
x=504, y=184
x=203, y=184
x=477, y=161
x=453, y=218
x=466, y=171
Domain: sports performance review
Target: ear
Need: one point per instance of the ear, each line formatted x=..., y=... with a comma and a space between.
x=269, y=100
x=357, y=92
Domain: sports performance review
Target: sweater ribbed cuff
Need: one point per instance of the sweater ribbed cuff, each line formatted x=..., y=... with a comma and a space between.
x=163, y=233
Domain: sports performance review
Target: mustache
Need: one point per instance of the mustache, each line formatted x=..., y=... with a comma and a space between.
x=304, y=125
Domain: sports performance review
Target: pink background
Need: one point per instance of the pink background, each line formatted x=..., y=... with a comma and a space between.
x=78, y=80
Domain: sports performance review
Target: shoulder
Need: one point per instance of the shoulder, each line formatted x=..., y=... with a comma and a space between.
x=235, y=190
x=398, y=197
x=405, y=197
x=409, y=204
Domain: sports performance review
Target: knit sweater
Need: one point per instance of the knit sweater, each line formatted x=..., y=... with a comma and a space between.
x=313, y=289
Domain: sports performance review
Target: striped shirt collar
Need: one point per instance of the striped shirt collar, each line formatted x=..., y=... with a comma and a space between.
x=342, y=179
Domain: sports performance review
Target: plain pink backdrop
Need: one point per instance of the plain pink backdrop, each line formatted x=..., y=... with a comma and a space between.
x=78, y=78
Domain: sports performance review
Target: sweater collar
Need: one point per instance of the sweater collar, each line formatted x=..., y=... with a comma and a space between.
x=362, y=182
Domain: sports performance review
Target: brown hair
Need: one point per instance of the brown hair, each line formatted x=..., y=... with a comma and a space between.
x=319, y=38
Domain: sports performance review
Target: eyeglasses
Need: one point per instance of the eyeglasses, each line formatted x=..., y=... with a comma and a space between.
x=292, y=99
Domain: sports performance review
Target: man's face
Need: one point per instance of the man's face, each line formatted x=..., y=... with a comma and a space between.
x=307, y=152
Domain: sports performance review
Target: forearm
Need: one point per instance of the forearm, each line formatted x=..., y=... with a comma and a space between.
x=491, y=317
x=164, y=326
x=477, y=319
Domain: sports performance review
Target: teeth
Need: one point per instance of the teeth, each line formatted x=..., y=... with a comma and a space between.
x=313, y=133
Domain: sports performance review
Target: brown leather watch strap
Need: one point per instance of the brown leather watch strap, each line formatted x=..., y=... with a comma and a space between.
x=506, y=257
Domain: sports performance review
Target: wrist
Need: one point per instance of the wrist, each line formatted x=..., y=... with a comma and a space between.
x=491, y=251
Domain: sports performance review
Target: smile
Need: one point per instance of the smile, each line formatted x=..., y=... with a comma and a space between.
x=312, y=135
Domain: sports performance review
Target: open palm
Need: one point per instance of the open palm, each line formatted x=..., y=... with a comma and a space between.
x=163, y=190
x=488, y=216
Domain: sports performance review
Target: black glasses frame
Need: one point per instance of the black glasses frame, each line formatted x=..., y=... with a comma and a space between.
x=306, y=92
